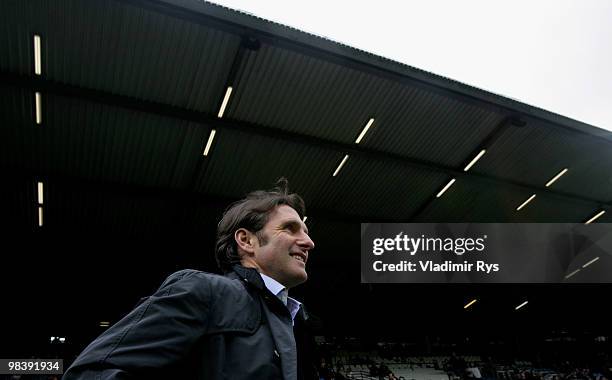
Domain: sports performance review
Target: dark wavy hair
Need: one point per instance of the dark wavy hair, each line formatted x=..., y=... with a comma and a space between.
x=251, y=213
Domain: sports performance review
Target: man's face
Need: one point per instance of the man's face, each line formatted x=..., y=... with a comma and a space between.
x=282, y=251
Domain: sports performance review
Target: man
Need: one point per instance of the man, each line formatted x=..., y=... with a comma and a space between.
x=205, y=326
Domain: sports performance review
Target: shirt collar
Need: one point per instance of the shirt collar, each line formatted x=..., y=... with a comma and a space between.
x=273, y=286
x=281, y=292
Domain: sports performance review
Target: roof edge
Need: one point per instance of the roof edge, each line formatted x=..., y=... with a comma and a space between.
x=254, y=24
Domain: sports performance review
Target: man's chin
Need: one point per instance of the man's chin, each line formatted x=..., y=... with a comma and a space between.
x=299, y=279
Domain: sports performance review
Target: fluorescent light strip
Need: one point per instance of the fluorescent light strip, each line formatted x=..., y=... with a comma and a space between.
x=364, y=131
x=40, y=216
x=595, y=217
x=525, y=203
x=556, y=177
x=341, y=165
x=37, y=61
x=470, y=304
x=211, y=137
x=449, y=184
x=225, y=101
x=521, y=305
x=40, y=193
x=571, y=274
x=482, y=152
x=37, y=98
x=104, y=324
x=590, y=262
x=304, y=220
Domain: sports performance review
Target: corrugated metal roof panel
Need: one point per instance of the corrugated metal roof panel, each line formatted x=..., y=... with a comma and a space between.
x=381, y=189
x=18, y=125
x=240, y=162
x=363, y=187
x=122, y=49
x=302, y=94
x=433, y=128
x=467, y=201
x=102, y=143
x=536, y=153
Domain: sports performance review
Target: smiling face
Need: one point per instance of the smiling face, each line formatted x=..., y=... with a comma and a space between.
x=281, y=252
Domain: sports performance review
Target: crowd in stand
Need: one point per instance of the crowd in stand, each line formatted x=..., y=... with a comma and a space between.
x=379, y=366
x=341, y=372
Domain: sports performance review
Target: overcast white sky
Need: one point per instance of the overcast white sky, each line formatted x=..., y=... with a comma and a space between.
x=553, y=54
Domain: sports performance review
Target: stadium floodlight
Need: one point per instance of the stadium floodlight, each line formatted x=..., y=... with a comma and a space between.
x=595, y=217
x=37, y=60
x=364, y=131
x=228, y=92
x=211, y=137
x=521, y=305
x=449, y=184
x=571, y=274
x=62, y=340
x=340, y=166
x=525, y=203
x=38, y=101
x=40, y=193
x=482, y=152
x=556, y=177
x=470, y=303
x=590, y=262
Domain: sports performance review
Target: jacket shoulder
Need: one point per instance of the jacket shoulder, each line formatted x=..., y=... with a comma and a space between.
x=202, y=283
x=231, y=307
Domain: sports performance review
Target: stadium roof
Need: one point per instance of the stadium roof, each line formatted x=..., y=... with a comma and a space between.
x=130, y=91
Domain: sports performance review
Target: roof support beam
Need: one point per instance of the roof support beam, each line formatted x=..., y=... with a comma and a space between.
x=488, y=141
x=247, y=43
x=165, y=110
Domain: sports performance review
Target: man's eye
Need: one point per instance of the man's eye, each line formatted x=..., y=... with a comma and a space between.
x=292, y=227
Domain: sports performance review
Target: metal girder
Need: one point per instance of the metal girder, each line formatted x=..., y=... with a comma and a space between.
x=246, y=44
x=486, y=142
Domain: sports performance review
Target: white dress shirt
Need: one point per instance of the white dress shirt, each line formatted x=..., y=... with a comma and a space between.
x=282, y=293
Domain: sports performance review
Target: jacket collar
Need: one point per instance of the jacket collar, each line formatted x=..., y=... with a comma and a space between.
x=250, y=276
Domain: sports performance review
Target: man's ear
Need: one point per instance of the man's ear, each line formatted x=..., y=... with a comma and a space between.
x=245, y=240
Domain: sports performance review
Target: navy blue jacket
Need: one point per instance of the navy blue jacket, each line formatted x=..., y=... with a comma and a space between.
x=199, y=326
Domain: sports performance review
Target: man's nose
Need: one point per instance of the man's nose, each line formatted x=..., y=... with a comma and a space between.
x=306, y=242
